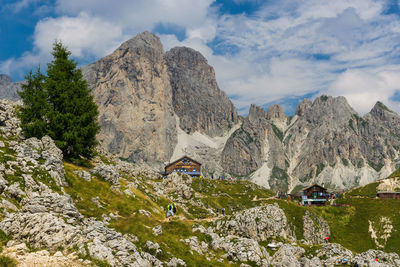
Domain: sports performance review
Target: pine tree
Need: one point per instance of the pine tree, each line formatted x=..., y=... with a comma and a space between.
x=33, y=113
x=73, y=114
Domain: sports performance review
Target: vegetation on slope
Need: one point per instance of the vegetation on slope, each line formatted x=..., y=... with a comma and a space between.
x=349, y=221
x=233, y=196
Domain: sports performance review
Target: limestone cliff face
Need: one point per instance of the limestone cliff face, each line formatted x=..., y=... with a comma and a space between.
x=8, y=89
x=197, y=99
x=326, y=142
x=132, y=89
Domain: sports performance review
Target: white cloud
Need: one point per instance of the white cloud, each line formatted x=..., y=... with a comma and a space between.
x=363, y=88
x=277, y=51
x=19, y=5
x=84, y=35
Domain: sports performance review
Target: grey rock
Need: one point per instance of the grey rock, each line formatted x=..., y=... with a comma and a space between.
x=53, y=160
x=199, y=103
x=368, y=258
x=84, y=175
x=258, y=223
x=3, y=182
x=145, y=213
x=133, y=92
x=9, y=123
x=15, y=191
x=108, y=173
x=180, y=184
x=41, y=230
x=315, y=229
x=8, y=89
x=154, y=248
x=157, y=230
x=196, y=245
x=333, y=254
x=287, y=255
x=8, y=205
x=175, y=262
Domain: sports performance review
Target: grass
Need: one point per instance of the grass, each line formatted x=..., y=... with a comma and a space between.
x=368, y=190
x=6, y=261
x=231, y=195
x=396, y=173
x=277, y=132
x=129, y=220
x=294, y=214
x=279, y=179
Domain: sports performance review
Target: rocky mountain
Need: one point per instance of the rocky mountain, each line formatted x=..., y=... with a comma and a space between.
x=156, y=107
x=200, y=105
x=8, y=89
x=133, y=92
x=150, y=102
x=112, y=213
x=326, y=142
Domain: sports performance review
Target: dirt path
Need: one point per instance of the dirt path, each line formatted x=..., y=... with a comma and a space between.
x=260, y=199
x=183, y=218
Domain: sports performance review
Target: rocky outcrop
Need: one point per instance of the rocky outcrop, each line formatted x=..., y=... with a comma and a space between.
x=108, y=173
x=198, y=101
x=179, y=184
x=32, y=150
x=287, y=255
x=315, y=229
x=8, y=89
x=259, y=223
x=9, y=123
x=133, y=92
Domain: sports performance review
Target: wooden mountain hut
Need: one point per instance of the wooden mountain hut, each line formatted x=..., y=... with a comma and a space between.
x=184, y=165
x=314, y=195
x=388, y=194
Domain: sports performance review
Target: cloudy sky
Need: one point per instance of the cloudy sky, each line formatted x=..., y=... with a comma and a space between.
x=263, y=52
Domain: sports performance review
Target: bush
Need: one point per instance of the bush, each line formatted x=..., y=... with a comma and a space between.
x=6, y=261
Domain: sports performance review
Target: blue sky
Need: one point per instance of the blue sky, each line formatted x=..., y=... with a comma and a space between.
x=263, y=52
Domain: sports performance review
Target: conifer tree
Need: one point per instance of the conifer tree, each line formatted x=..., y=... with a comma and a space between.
x=73, y=114
x=60, y=105
x=33, y=114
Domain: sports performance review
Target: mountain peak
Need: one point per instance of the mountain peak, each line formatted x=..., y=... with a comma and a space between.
x=143, y=40
x=187, y=56
x=380, y=106
x=257, y=113
x=303, y=107
x=5, y=79
x=275, y=111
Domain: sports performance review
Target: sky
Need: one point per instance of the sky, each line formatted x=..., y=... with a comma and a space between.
x=263, y=52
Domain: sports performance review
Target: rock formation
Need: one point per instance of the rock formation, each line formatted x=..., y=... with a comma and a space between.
x=133, y=92
x=199, y=103
x=8, y=89
x=326, y=142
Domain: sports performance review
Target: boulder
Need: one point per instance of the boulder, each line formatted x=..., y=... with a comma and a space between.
x=315, y=229
x=177, y=183
x=287, y=256
x=108, y=173
x=258, y=223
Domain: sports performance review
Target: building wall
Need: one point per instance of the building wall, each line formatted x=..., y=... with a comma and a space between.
x=389, y=195
x=181, y=165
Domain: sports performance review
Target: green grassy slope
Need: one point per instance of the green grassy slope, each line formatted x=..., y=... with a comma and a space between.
x=349, y=223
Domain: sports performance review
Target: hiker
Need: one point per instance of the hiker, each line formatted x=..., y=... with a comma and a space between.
x=223, y=211
x=170, y=211
x=355, y=264
x=174, y=207
x=217, y=211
